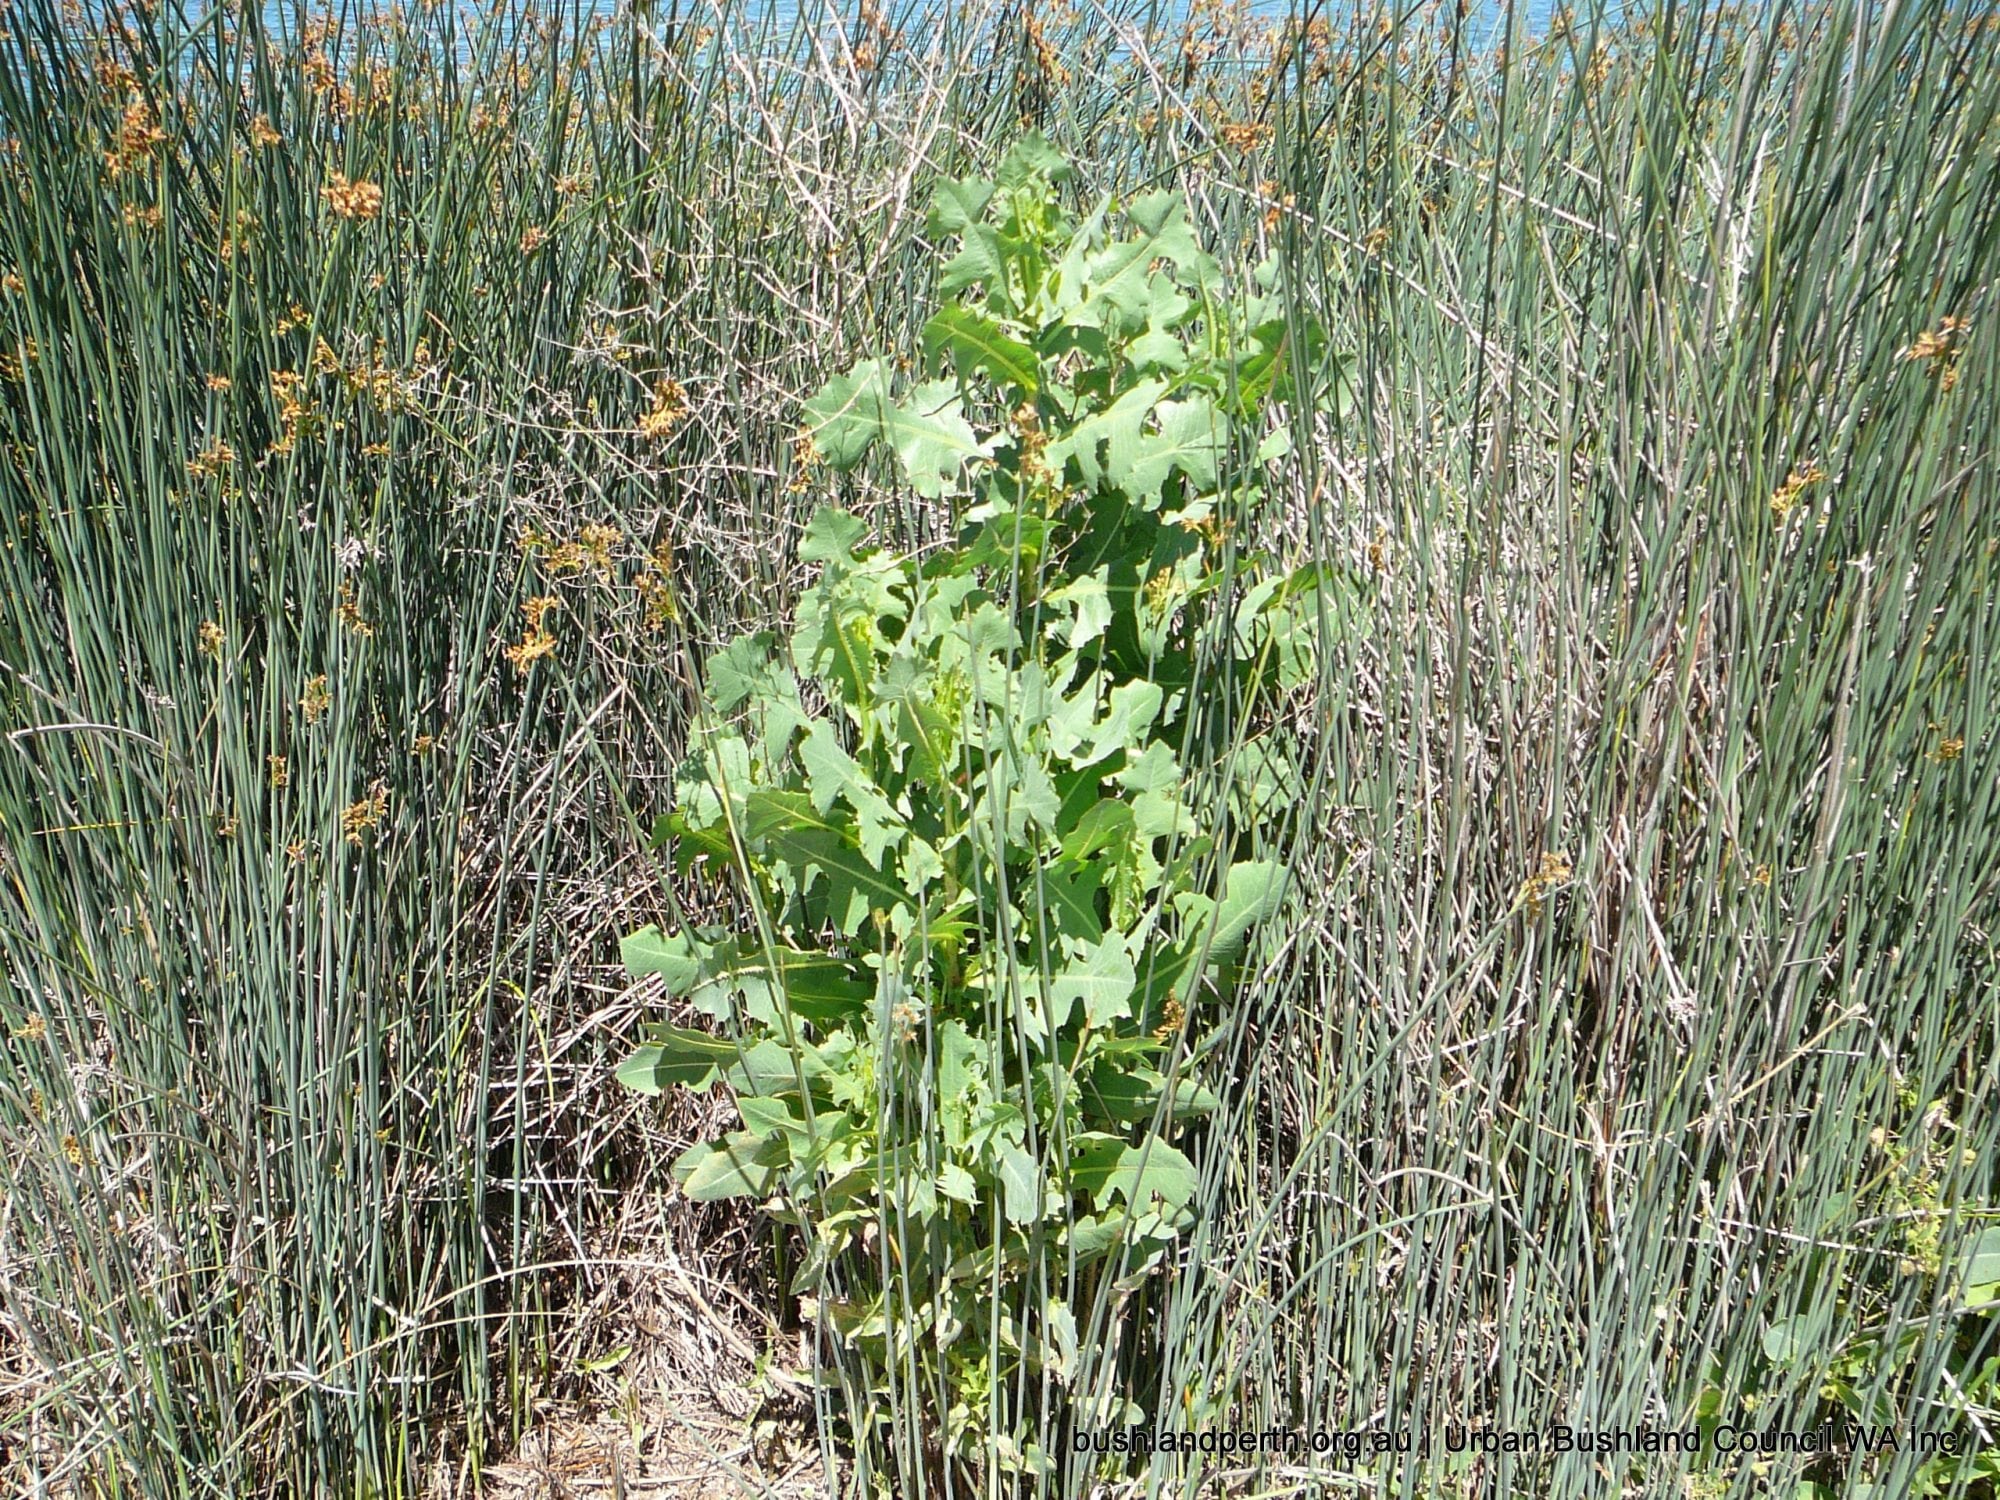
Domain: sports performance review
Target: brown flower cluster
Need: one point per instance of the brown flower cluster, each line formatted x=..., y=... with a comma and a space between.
x=589, y=550
x=655, y=584
x=1245, y=135
x=669, y=410
x=1941, y=346
x=316, y=699
x=535, y=642
x=1786, y=497
x=1048, y=61
x=211, y=461
x=350, y=198
x=1551, y=875
x=1277, y=202
x=361, y=817
x=348, y=611
x=138, y=133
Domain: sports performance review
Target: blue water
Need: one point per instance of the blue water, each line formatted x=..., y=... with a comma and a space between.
x=1486, y=20
x=1483, y=16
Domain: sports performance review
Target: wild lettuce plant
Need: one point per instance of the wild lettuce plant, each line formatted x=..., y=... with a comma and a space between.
x=996, y=811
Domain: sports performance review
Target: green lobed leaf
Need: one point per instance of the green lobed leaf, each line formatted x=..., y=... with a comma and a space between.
x=1130, y=1095
x=814, y=845
x=1979, y=1265
x=1189, y=440
x=1102, y=445
x=931, y=437
x=834, y=775
x=830, y=536
x=1021, y=1184
x=1154, y=779
x=957, y=203
x=847, y=414
x=1032, y=157
x=980, y=260
x=1102, y=982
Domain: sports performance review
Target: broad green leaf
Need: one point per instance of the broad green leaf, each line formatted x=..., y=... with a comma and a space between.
x=1266, y=372
x=1252, y=893
x=1087, y=603
x=810, y=845
x=1103, y=444
x=1018, y=786
x=994, y=1123
x=717, y=998
x=926, y=430
x=831, y=536
x=1073, y=722
x=980, y=261
x=1021, y=1184
x=816, y=987
x=836, y=648
x=834, y=775
x=695, y=843
x=762, y=1117
x=673, y=956
x=739, y=669
x=1092, y=1157
x=1104, y=826
x=674, y=1056
x=1129, y=1095
x=738, y=1166
x=770, y=1068
x=974, y=341
x=1132, y=708
x=1157, y=351
x=980, y=647
x=1068, y=894
x=1786, y=1339
x=1121, y=274
x=1279, y=621
x=1059, y=1350
x=1154, y=779
x=1091, y=1237
x=1161, y=219
x=958, y=1184
x=1979, y=1265
x=822, y=989
x=1007, y=539
x=719, y=766
x=1163, y=975
x=1153, y=1168
x=956, y=1052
